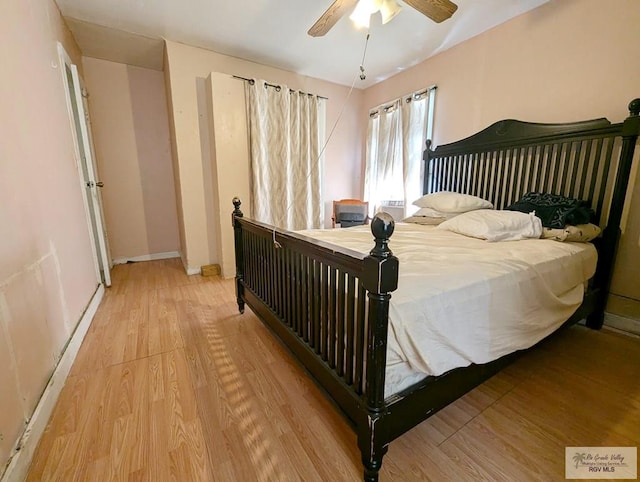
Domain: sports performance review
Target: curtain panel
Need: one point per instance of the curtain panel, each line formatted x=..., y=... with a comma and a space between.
x=383, y=175
x=286, y=168
x=396, y=138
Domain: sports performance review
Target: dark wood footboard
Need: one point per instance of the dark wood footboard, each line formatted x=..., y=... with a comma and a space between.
x=330, y=307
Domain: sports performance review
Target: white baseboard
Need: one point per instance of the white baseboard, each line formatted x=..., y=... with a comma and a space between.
x=622, y=323
x=20, y=461
x=147, y=257
x=187, y=269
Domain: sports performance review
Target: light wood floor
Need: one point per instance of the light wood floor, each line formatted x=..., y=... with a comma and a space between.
x=172, y=384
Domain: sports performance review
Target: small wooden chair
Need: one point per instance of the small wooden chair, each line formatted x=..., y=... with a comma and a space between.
x=350, y=212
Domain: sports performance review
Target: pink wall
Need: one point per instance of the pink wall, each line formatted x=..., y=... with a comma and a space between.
x=562, y=61
x=566, y=60
x=131, y=135
x=186, y=68
x=151, y=125
x=47, y=274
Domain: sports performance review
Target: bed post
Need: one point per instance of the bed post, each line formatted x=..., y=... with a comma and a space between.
x=611, y=235
x=237, y=233
x=426, y=177
x=380, y=277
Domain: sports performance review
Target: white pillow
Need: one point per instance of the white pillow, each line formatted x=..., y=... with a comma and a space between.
x=433, y=213
x=495, y=225
x=425, y=220
x=452, y=202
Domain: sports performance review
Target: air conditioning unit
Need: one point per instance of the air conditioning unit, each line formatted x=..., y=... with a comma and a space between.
x=395, y=208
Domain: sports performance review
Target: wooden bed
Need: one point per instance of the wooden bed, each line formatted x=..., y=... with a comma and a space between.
x=330, y=305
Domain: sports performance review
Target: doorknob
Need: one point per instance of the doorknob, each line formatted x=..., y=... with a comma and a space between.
x=100, y=184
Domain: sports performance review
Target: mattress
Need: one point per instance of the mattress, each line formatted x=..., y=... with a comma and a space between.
x=462, y=300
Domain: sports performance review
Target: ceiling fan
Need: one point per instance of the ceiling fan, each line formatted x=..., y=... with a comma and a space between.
x=436, y=10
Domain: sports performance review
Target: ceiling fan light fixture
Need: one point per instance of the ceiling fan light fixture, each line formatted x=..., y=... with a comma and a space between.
x=362, y=13
x=436, y=10
x=389, y=9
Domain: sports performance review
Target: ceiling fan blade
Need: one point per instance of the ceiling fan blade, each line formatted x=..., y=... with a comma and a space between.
x=330, y=17
x=436, y=10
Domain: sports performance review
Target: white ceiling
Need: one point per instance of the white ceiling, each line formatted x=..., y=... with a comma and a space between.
x=274, y=32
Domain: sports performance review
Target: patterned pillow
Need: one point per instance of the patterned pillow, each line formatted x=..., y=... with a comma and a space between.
x=554, y=210
x=582, y=233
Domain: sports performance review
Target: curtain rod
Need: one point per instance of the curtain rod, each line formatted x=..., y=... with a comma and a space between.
x=275, y=86
x=409, y=98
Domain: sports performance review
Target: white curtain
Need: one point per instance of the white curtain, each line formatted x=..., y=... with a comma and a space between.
x=396, y=138
x=286, y=170
x=383, y=175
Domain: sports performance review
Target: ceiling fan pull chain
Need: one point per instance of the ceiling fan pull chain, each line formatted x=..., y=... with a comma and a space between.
x=363, y=76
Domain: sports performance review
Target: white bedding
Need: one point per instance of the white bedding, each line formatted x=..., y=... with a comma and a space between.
x=462, y=300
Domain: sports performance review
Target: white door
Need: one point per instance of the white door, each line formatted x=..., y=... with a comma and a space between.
x=99, y=184
x=86, y=167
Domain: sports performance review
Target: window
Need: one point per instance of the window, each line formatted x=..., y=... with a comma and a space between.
x=396, y=137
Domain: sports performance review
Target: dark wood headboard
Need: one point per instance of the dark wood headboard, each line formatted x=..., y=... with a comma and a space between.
x=511, y=158
x=588, y=160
